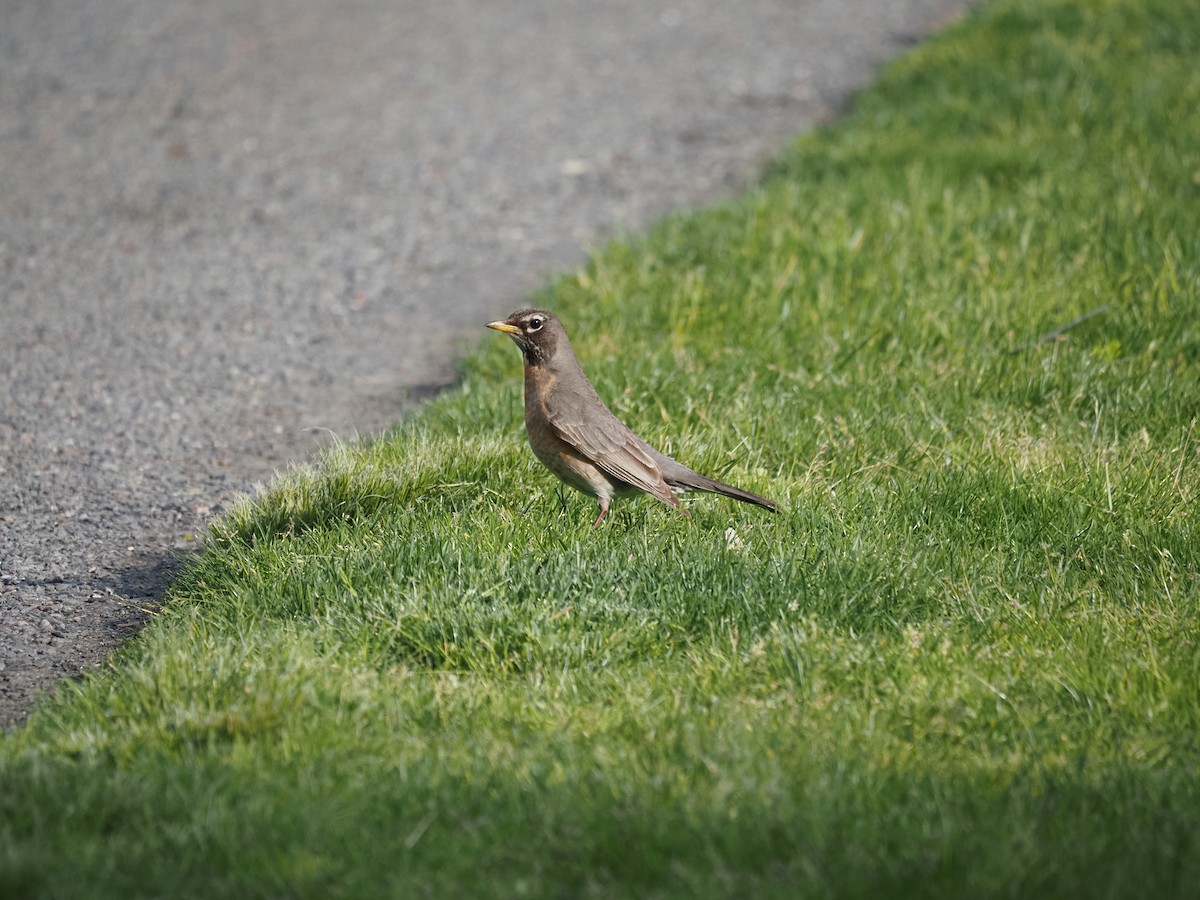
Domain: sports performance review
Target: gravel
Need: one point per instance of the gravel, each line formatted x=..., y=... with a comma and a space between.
x=230, y=230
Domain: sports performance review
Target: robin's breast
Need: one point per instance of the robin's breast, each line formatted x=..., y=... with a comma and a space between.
x=561, y=458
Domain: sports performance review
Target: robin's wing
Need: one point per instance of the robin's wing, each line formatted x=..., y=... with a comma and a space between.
x=604, y=439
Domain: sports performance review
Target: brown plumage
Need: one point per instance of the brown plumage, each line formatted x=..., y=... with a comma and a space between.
x=577, y=437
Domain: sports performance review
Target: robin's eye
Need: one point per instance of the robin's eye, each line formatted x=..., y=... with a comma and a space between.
x=535, y=323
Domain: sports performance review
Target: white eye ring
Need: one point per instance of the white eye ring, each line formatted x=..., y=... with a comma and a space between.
x=536, y=323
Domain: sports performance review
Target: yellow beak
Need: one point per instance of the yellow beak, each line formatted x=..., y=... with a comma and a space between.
x=505, y=327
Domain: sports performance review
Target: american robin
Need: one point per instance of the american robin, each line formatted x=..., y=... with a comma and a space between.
x=577, y=437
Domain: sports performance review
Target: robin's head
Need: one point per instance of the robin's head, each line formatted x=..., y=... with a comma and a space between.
x=537, y=332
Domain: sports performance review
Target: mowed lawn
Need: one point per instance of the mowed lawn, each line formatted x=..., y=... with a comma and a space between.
x=956, y=335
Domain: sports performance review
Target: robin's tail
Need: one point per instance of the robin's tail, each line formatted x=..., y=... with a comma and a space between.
x=698, y=482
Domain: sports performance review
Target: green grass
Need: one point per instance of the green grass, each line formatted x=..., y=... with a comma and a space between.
x=964, y=661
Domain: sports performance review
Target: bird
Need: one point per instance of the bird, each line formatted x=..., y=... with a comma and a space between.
x=577, y=437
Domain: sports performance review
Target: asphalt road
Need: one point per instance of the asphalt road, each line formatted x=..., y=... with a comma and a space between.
x=229, y=229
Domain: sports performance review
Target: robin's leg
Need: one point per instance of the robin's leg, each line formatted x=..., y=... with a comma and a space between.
x=604, y=502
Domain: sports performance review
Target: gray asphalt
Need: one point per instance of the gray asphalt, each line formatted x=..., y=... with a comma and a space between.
x=230, y=229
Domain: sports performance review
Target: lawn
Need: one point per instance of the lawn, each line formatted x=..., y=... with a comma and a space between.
x=956, y=335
